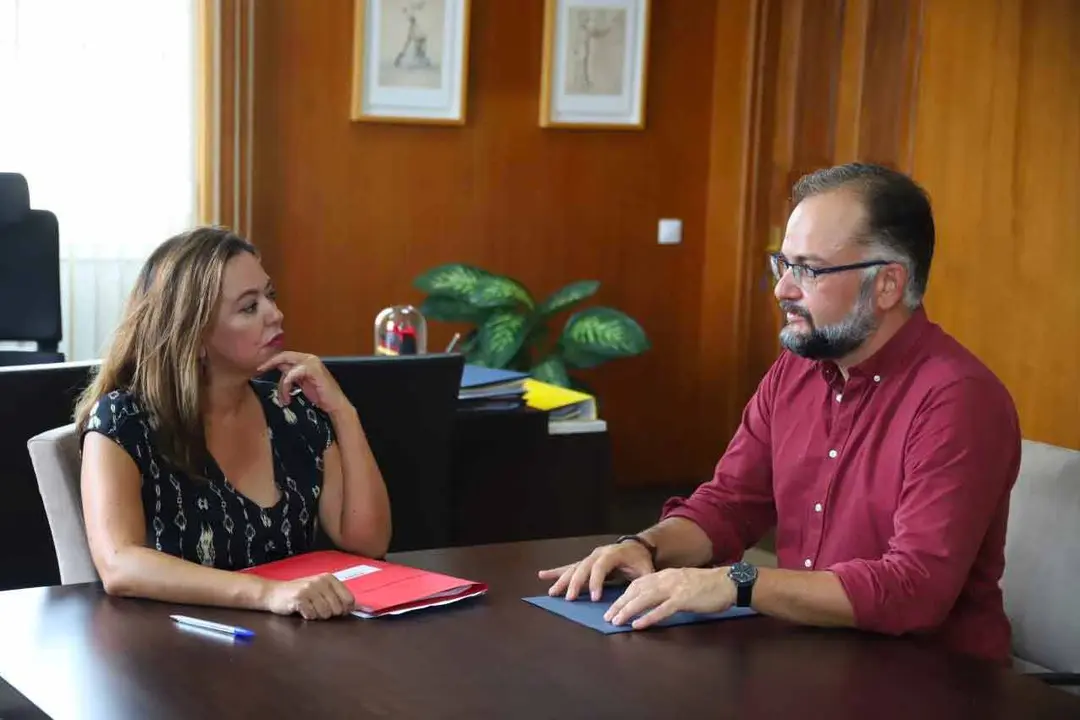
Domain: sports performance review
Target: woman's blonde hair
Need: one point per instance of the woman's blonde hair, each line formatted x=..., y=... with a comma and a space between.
x=155, y=352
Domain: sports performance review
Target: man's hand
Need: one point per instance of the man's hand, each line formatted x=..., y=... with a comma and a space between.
x=627, y=559
x=662, y=594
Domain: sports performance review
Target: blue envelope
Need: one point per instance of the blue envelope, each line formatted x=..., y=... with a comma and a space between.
x=585, y=612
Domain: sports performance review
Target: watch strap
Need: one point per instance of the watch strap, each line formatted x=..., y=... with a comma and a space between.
x=744, y=594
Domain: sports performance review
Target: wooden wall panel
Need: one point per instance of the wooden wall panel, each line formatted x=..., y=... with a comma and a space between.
x=839, y=80
x=348, y=213
x=998, y=148
x=731, y=218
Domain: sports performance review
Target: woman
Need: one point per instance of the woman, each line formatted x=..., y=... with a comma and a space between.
x=192, y=468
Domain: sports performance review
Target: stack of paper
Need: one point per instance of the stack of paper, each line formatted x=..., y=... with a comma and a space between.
x=491, y=389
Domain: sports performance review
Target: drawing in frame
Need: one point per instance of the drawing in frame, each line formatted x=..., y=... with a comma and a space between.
x=410, y=61
x=594, y=64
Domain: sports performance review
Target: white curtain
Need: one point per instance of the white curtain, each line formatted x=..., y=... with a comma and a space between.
x=97, y=110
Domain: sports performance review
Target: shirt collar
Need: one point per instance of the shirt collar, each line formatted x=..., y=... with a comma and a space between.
x=891, y=356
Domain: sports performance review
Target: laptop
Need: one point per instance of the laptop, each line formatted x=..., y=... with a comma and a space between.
x=407, y=405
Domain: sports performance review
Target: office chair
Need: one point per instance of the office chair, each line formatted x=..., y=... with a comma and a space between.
x=56, y=459
x=1042, y=565
x=29, y=276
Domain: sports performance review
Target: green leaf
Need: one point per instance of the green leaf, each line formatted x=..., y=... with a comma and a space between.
x=597, y=334
x=551, y=370
x=499, y=291
x=579, y=359
x=450, y=309
x=455, y=280
x=500, y=337
x=573, y=293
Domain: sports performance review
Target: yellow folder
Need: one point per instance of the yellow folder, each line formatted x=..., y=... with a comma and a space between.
x=560, y=403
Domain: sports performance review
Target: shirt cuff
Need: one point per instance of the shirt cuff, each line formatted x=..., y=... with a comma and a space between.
x=858, y=581
x=725, y=548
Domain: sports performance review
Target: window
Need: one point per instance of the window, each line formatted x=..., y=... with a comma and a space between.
x=98, y=111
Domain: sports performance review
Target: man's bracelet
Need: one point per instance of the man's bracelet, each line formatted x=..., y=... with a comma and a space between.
x=644, y=543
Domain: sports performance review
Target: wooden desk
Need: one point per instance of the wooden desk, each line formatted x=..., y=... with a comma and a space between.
x=75, y=652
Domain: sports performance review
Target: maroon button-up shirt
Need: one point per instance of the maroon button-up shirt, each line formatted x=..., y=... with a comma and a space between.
x=897, y=481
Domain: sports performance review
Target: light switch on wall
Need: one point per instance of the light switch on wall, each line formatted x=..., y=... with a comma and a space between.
x=669, y=232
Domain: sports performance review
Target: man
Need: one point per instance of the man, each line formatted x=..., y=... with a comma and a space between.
x=882, y=450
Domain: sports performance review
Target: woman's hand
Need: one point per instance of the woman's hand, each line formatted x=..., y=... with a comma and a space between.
x=308, y=373
x=318, y=597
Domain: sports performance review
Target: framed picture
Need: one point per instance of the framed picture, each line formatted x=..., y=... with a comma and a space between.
x=410, y=61
x=595, y=57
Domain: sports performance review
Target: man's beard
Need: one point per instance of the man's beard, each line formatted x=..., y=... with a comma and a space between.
x=831, y=342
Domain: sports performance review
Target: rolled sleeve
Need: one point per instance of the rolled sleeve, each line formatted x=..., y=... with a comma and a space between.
x=961, y=460
x=736, y=507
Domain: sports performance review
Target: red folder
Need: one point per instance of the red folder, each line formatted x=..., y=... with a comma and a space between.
x=380, y=588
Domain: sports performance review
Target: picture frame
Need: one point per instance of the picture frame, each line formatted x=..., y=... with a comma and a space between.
x=595, y=61
x=410, y=61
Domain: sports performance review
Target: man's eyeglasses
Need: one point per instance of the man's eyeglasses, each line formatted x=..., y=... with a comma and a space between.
x=804, y=274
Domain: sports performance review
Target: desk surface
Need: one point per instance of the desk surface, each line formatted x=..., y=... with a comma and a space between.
x=75, y=652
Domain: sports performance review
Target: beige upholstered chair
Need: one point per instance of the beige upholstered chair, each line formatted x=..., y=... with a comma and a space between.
x=56, y=459
x=1042, y=563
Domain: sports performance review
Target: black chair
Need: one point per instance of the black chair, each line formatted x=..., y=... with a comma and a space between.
x=36, y=399
x=29, y=276
x=407, y=406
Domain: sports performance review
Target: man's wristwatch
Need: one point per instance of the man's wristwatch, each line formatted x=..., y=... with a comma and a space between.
x=643, y=542
x=744, y=575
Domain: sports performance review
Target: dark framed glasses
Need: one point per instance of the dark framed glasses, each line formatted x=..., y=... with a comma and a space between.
x=806, y=274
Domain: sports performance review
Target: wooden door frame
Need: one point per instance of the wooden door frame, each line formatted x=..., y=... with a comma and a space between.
x=761, y=122
x=225, y=46
x=743, y=73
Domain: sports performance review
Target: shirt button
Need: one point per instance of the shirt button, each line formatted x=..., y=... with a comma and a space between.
x=807, y=563
x=839, y=397
x=832, y=453
x=877, y=378
x=817, y=507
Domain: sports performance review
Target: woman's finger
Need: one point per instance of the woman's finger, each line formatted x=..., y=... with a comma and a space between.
x=321, y=604
x=282, y=361
x=289, y=379
x=337, y=607
x=347, y=599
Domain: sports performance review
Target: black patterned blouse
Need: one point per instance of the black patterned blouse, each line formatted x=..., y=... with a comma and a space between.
x=211, y=523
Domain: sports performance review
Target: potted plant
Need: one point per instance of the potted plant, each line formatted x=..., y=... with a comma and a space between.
x=511, y=330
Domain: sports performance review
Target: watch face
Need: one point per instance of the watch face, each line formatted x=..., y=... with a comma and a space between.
x=743, y=573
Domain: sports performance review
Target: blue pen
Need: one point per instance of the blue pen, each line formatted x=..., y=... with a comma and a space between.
x=218, y=627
